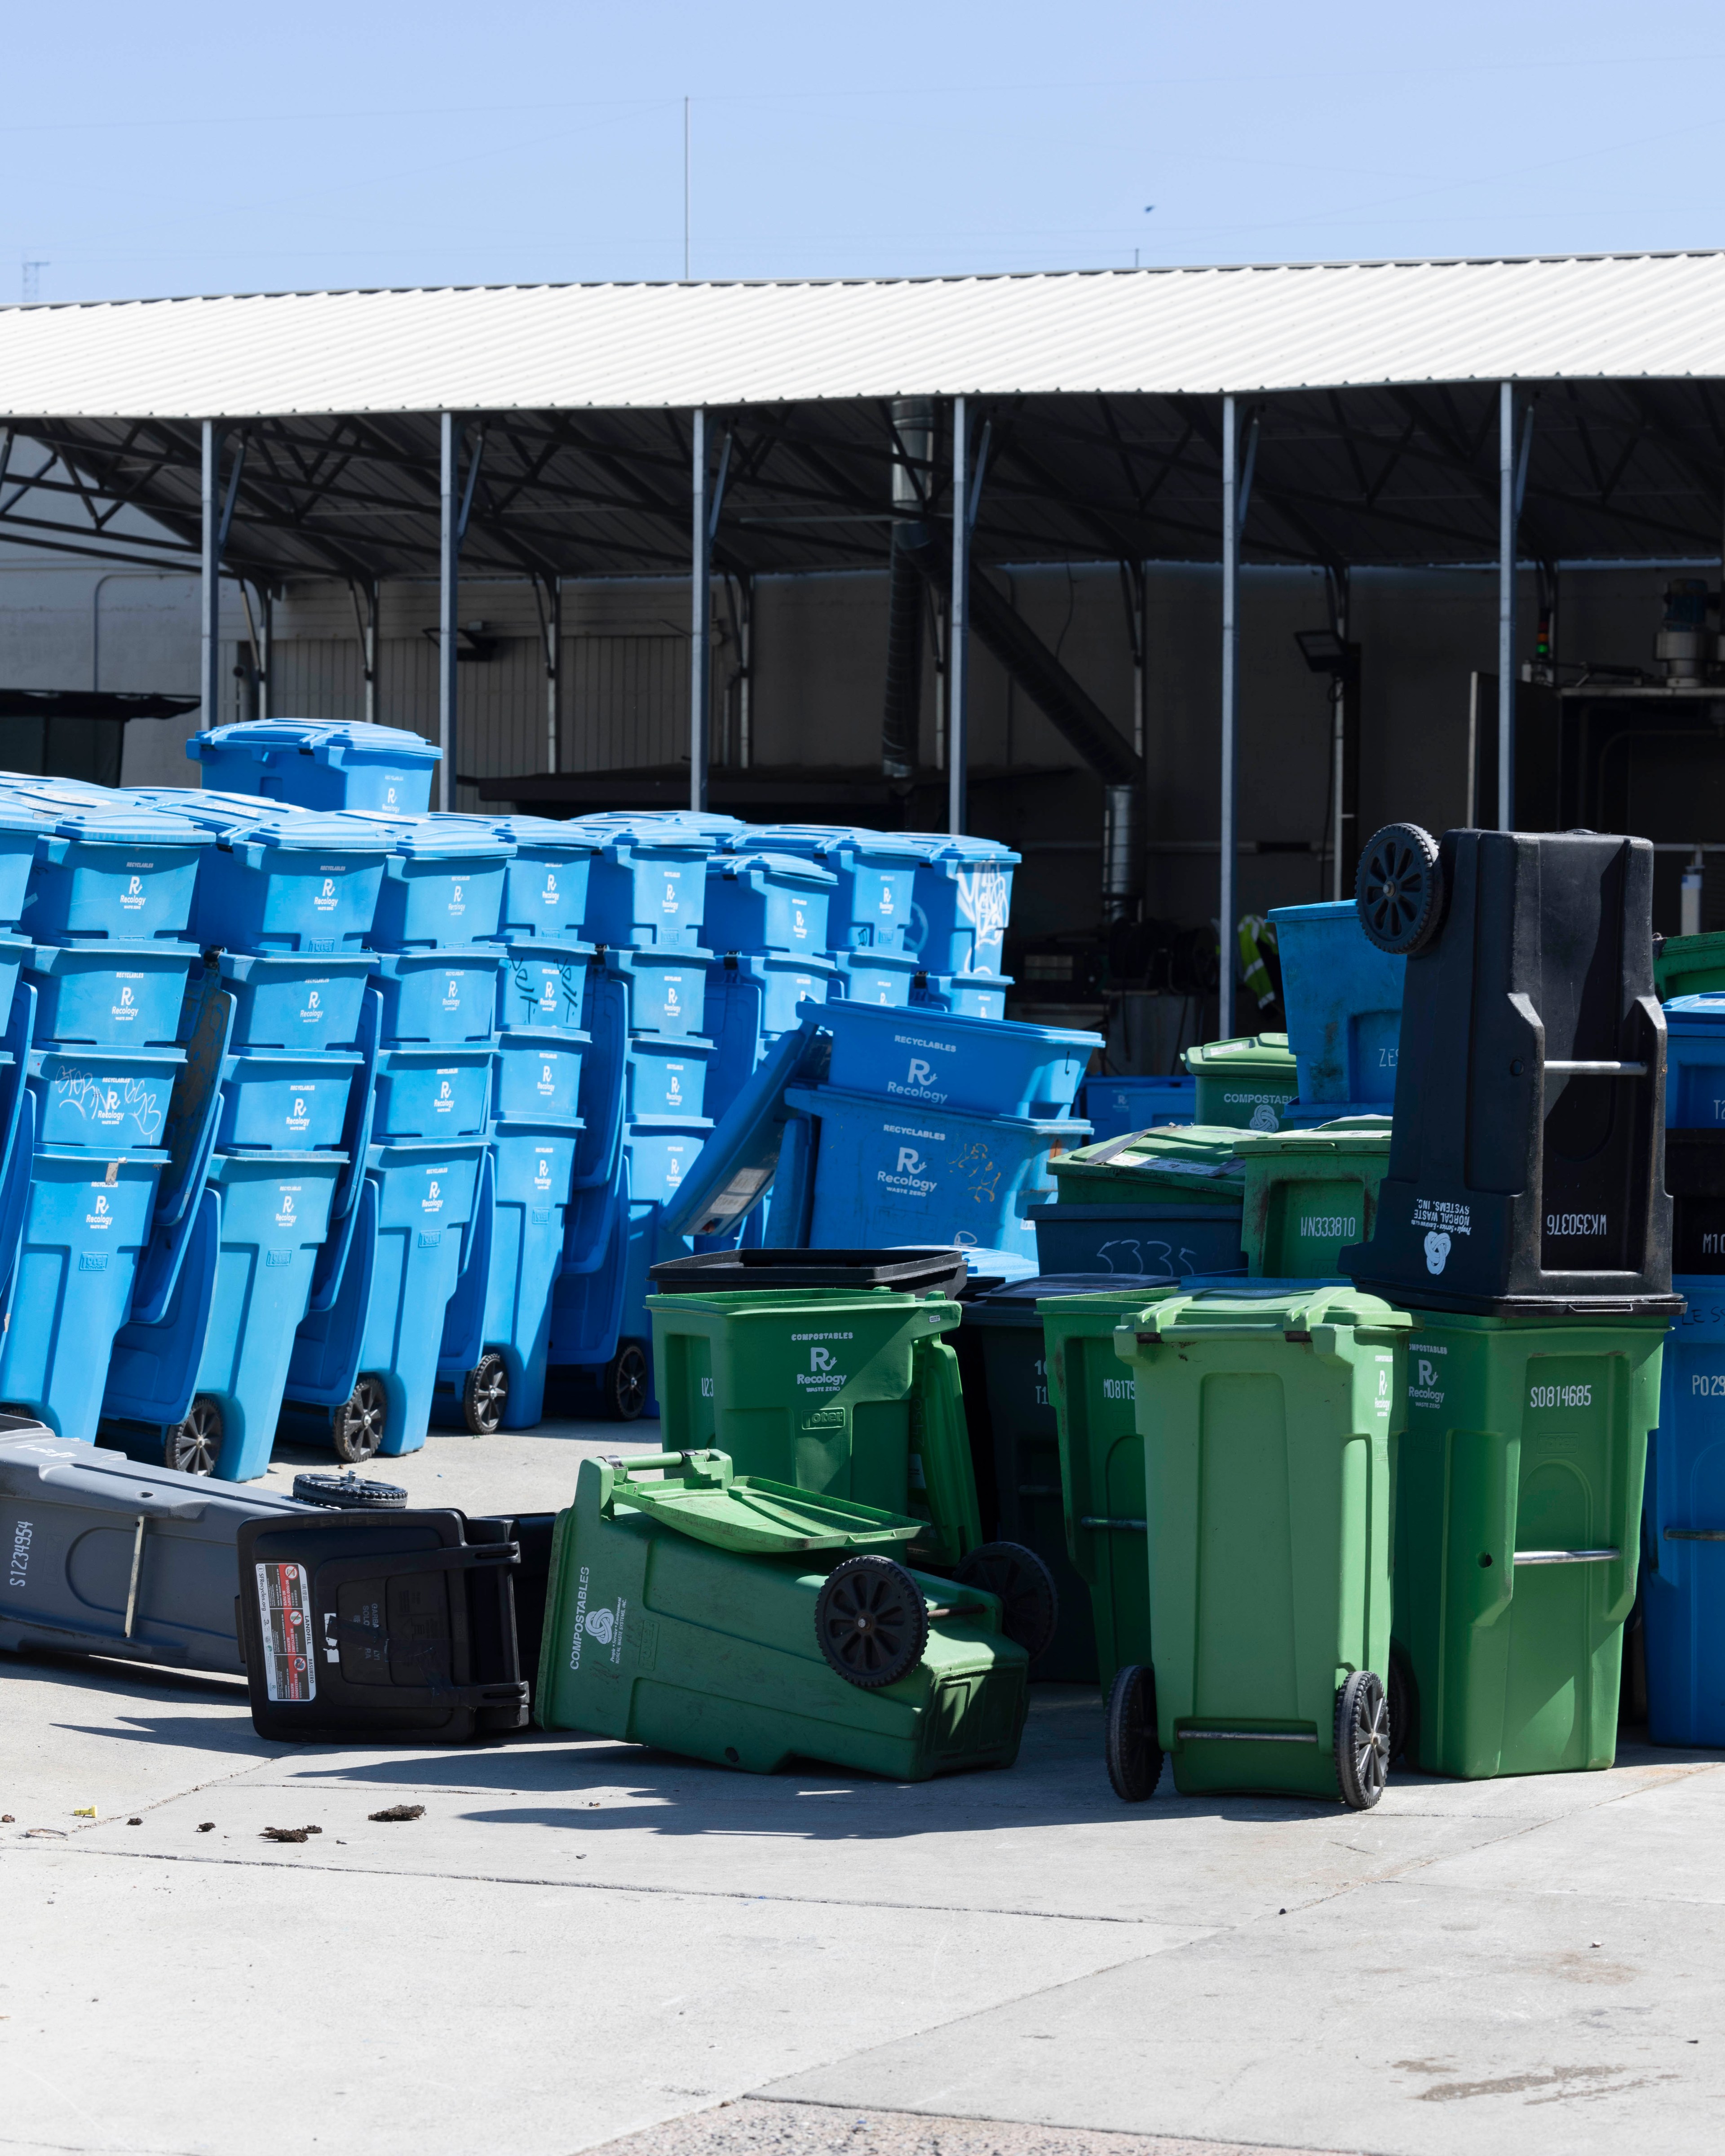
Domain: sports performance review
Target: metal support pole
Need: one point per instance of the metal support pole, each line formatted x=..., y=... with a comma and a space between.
x=958, y=634
x=553, y=674
x=448, y=589
x=1338, y=758
x=1230, y=709
x=700, y=609
x=1506, y=606
x=210, y=594
x=374, y=607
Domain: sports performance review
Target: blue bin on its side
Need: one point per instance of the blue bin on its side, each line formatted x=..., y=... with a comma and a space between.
x=295, y=1000
x=105, y=995
x=226, y=1337
x=887, y=1174
x=318, y=763
x=127, y=874
x=442, y=883
x=934, y=1058
x=963, y=899
x=85, y=1223
x=666, y=1080
x=871, y=908
x=538, y=1079
x=544, y=888
x=1112, y=1106
x=438, y=999
x=880, y=977
x=20, y=827
x=545, y=983
x=275, y=1102
x=101, y=1100
x=385, y=1320
x=1143, y=1238
x=1343, y=999
x=662, y=991
x=1695, y=1062
x=647, y=886
x=291, y=883
x=967, y=995
x=767, y=901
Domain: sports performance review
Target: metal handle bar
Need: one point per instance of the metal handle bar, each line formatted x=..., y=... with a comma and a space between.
x=1567, y=1557
x=1595, y=1070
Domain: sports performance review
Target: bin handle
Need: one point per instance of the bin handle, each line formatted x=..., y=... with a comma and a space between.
x=1570, y=1069
x=1567, y=1557
x=1695, y=1534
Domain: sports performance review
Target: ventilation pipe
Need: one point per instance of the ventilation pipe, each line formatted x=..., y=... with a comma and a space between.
x=901, y=725
x=1121, y=849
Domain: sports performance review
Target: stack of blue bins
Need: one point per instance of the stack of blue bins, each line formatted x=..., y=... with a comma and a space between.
x=960, y=904
x=264, y=1134
x=105, y=965
x=497, y=1328
x=1343, y=999
x=766, y=923
x=364, y=1368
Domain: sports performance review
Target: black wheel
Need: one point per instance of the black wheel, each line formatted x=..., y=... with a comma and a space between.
x=1400, y=892
x=1130, y=1743
x=357, y=1426
x=1361, y=1740
x=349, y=1493
x=195, y=1444
x=1025, y=1586
x=485, y=1394
x=871, y=1621
x=1404, y=1707
x=626, y=1382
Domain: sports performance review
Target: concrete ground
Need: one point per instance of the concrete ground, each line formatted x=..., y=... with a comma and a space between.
x=581, y=1943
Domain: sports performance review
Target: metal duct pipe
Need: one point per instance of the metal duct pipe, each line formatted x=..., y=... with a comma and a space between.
x=901, y=717
x=1122, y=846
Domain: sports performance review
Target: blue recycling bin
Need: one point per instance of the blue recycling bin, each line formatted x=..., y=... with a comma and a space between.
x=666, y=1079
x=599, y=1325
x=432, y=1093
x=961, y=903
x=385, y=1319
x=967, y=995
x=544, y=886
x=442, y=883
x=438, y=999
x=103, y=1100
x=318, y=763
x=291, y=999
x=647, y=886
x=939, y=1060
x=276, y=1100
x=105, y=995
x=538, y=1075
x=887, y=1174
x=660, y=991
x=1142, y=1237
x=1683, y=1525
x=661, y=1154
x=545, y=982
x=123, y=874
x=767, y=901
x=1112, y=1106
x=753, y=999
x=1343, y=999
x=20, y=824
x=878, y=976
x=277, y=882
x=224, y=1343
x=875, y=876
x=1695, y=1062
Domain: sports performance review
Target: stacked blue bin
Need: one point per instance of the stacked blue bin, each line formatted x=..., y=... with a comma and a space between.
x=1112, y=1106
x=497, y=1328
x=105, y=963
x=263, y=1136
x=365, y=1367
x=871, y=908
x=767, y=922
x=961, y=903
x=931, y=1128
x=320, y=763
x=1343, y=999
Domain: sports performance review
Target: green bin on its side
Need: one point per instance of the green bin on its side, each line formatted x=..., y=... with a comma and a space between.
x=1690, y=965
x=1266, y=1418
x=1309, y=1194
x=1101, y=1465
x=1518, y=1512
x=746, y=1623
x=847, y=1392
x=1248, y=1082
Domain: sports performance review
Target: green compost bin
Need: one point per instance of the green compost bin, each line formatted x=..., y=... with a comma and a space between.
x=1247, y=1083
x=1309, y=1194
x=1266, y=1417
x=1101, y=1465
x=741, y=1622
x=1518, y=1510
x=843, y=1391
x=1180, y=1164
x=1690, y=965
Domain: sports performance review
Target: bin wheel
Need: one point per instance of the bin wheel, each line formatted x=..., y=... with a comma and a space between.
x=195, y=1444
x=1361, y=1740
x=349, y=1493
x=1399, y=895
x=1026, y=1588
x=871, y=1621
x=485, y=1394
x=625, y=1382
x=1404, y=1706
x=1129, y=1739
x=357, y=1426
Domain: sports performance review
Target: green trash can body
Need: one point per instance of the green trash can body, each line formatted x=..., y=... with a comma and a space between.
x=1518, y=1508
x=1690, y=965
x=1101, y=1458
x=1309, y=1194
x=849, y=1393
x=1176, y=1164
x=1247, y=1083
x=657, y=1634
x=1266, y=1420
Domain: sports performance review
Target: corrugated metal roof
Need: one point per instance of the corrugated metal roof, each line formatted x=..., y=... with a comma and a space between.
x=659, y=346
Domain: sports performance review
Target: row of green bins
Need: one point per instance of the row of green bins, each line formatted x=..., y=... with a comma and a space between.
x=1160, y=1201
x=735, y=1620
x=1250, y=1083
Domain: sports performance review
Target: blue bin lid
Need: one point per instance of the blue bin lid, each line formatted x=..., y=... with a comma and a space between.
x=1704, y=1012
x=429, y=837
x=834, y=838
x=783, y=868
x=121, y=826
x=318, y=736
x=17, y=814
x=307, y=833
x=538, y=833
x=958, y=848
x=208, y=805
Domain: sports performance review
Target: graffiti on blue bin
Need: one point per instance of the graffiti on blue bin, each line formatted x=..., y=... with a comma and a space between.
x=109, y=1102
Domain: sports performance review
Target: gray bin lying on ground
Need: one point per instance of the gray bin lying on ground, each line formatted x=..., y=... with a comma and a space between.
x=101, y=1555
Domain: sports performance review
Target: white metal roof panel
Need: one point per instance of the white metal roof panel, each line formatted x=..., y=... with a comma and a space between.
x=622, y=347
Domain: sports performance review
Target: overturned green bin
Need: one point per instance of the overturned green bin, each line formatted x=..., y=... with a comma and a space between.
x=1266, y=1417
x=740, y=1621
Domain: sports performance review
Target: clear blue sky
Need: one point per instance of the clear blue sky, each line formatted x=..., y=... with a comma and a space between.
x=171, y=147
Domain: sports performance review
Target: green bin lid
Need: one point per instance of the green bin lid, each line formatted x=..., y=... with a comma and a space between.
x=1184, y=1163
x=1369, y=1135
x=1265, y=1054
x=704, y=1500
x=1690, y=965
x=1282, y=1307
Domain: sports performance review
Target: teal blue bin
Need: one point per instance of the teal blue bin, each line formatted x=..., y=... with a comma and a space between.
x=879, y=976
x=666, y=1079
x=538, y=1075
x=318, y=763
x=873, y=872
x=296, y=1000
x=544, y=886
x=961, y=903
x=105, y=995
x=443, y=999
x=1343, y=999
x=103, y=1100
x=545, y=983
x=941, y=1060
x=272, y=1101
x=647, y=886
x=432, y=1093
x=277, y=882
x=767, y=901
x=443, y=885
x=123, y=875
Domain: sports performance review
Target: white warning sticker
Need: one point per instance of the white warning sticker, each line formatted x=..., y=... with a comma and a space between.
x=284, y=1604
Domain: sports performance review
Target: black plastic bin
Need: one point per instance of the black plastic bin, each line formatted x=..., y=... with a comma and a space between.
x=1527, y=1164
x=719, y=1271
